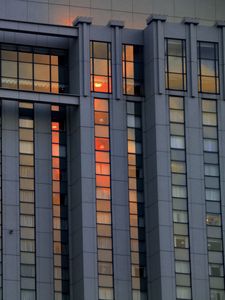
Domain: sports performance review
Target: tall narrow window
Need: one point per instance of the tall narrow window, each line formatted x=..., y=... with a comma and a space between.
x=208, y=68
x=103, y=200
x=136, y=202
x=27, y=202
x=101, y=77
x=180, y=198
x=213, y=200
x=175, y=56
x=132, y=70
x=60, y=204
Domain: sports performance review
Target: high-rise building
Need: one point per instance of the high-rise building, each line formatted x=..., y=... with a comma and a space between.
x=112, y=150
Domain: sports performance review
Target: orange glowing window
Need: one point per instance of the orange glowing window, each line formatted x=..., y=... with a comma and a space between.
x=102, y=169
x=102, y=131
x=56, y=186
x=101, y=118
x=103, y=181
x=102, y=157
x=103, y=205
x=55, y=137
x=101, y=105
x=55, y=162
x=55, y=149
x=56, y=198
x=102, y=144
x=56, y=174
x=103, y=193
x=55, y=125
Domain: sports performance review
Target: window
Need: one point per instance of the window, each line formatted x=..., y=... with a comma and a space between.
x=34, y=69
x=101, y=77
x=208, y=67
x=132, y=70
x=175, y=64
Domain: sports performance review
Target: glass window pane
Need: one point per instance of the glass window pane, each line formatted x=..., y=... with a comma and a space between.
x=25, y=70
x=41, y=72
x=8, y=69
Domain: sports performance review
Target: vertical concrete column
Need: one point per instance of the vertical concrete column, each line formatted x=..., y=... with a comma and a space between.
x=119, y=175
x=192, y=59
x=43, y=200
x=159, y=222
x=83, y=24
x=117, y=57
x=82, y=179
x=221, y=26
x=10, y=201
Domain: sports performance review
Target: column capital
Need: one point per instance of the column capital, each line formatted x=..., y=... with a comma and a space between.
x=193, y=21
x=154, y=17
x=82, y=20
x=116, y=23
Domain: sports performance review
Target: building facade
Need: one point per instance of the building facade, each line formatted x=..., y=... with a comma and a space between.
x=112, y=160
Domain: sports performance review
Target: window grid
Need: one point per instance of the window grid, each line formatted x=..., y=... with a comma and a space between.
x=175, y=57
x=60, y=205
x=27, y=202
x=132, y=70
x=213, y=201
x=103, y=199
x=101, y=67
x=136, y=202
x=208, y=68
x=33, y=69
x=180, y=198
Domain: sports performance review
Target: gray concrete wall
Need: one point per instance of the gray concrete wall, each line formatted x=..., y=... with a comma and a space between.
x=133, y=12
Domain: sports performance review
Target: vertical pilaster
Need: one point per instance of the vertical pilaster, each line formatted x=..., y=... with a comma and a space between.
x=192, y=44
x=158, y=207
x=117, y=55
x=83, y=24
x=10, y=201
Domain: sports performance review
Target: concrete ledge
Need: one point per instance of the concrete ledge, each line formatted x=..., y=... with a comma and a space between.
x=154, y=17
x=38, y=97
x=38, y=28
x=80, y=20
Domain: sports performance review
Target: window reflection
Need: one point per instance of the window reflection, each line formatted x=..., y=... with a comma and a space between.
x=175, y=64
x=132, y=70
x=34, y=71
x=208, y=67
x=101, y=80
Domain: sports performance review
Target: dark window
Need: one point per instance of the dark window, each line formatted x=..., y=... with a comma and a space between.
x=208, y=68
x=132, y=70
x=175, y=64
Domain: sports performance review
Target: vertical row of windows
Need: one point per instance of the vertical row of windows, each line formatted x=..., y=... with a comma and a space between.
x=180, y=198
x=208, y=67
x=175, y=56
x=60, y=205
x=27, y=202
x=103, y=200
x=136, y=202
x=213, y=200
x=101, y=69
x=25, y=68
x=132, y=70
